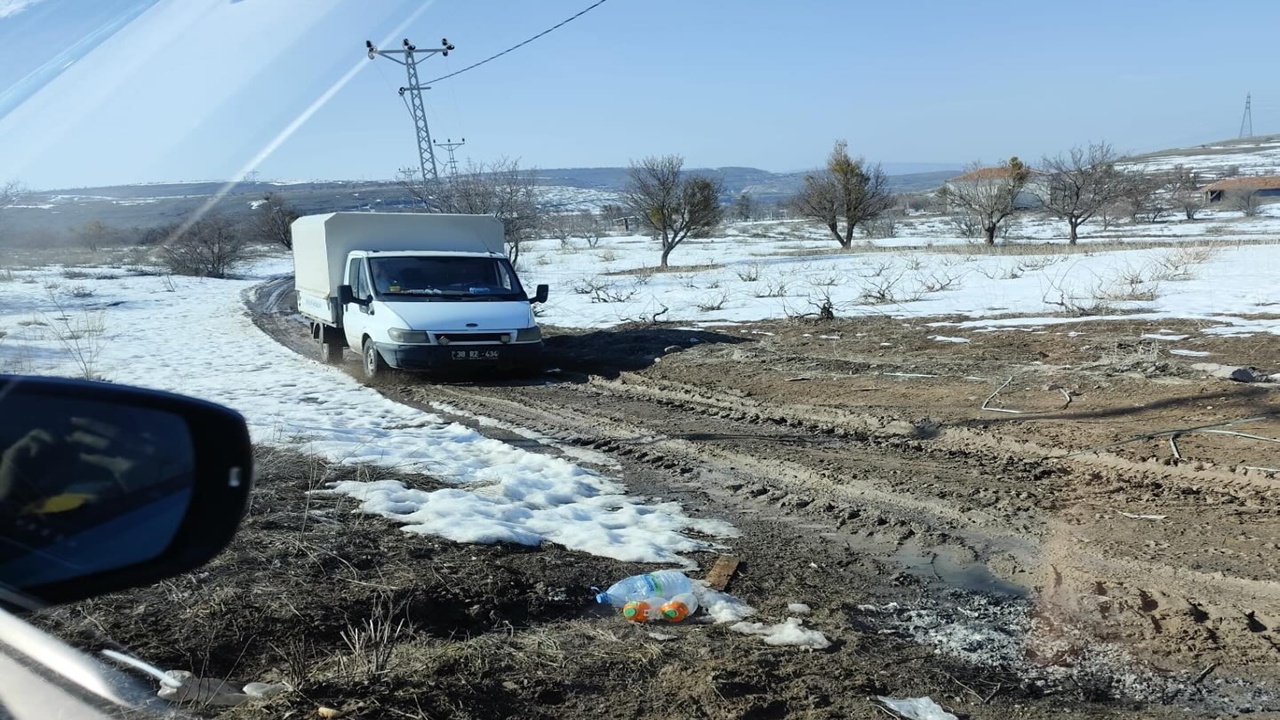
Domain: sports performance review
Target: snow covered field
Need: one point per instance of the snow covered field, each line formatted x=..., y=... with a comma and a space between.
x=1219, y=270
x=194, y=336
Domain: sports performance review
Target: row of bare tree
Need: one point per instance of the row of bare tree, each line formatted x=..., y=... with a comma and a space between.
x=1078, y=186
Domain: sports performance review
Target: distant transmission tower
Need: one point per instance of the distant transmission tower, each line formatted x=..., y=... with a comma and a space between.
x=1246, y=122
x=449, y=145
x=412, y=56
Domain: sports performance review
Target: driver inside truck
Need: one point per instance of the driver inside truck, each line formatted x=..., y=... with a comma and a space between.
x=384, y=280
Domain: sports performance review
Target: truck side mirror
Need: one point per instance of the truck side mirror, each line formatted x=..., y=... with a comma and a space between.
x=346, y=295
x=541, y=295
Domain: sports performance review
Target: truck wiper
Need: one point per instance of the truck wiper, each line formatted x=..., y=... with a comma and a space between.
x=458, y=294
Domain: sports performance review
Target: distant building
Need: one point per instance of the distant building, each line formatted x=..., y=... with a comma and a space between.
x=1028, y=199
x=1262, y=186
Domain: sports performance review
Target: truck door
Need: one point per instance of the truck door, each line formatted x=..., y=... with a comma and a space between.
x=355, y=316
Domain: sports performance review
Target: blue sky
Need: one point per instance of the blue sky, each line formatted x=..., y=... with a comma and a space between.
x=114, y=91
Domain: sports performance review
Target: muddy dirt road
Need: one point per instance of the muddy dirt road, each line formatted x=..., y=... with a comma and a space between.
x=1072, y=510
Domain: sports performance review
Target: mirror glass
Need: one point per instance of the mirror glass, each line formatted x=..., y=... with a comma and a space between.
x=87, y=486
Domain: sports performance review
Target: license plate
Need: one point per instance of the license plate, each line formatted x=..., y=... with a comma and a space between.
x=475, y=354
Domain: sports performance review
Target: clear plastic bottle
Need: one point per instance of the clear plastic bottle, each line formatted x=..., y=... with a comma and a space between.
x=679, y=607
x=646, y=610
x=664, y=584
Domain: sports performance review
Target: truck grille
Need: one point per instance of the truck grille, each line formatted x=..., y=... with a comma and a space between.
x=473, y=337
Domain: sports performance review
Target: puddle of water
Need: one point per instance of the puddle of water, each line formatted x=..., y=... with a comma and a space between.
x=943, y=565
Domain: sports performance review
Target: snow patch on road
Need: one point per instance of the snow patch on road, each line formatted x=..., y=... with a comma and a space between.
x=582, y=512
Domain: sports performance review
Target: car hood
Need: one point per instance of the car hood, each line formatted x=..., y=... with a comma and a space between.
x=462, y=315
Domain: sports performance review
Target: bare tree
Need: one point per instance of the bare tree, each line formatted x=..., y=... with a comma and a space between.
x=847, y=190
x=272, y=221
x=426, y=194
x=10, y=193
x=211, y=247
x=613, y=211
x=988, y=194
x=501, y=189
x=559, y=226
x=150, y=235
x=743, y=208
x=1246, y=201
x=565, y=226
x=966, y=225
x=671, y=204
x=1110, y=213
x=1184, y=188
x=925, y=202
x=1143, y=196
x=1080, y=183
x=588, y=226
x=95, y=234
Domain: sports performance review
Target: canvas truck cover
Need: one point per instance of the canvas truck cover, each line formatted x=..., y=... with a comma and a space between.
x=321, y=243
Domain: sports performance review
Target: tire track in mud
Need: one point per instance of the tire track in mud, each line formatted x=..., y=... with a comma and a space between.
x=951, y=507
x=778, y=472
x=1207, y=615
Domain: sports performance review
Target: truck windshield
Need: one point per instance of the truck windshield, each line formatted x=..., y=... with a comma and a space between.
x=453, y=277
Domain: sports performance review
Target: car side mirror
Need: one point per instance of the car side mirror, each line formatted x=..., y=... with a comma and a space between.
x=106, y=487
x=541, y=295
x=346, y=295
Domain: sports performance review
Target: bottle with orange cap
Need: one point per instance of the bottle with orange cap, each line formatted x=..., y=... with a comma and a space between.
x=679, y=607
x=645, y=610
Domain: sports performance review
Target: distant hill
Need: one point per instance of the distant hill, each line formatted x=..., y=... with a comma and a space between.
x=761, y=185
x=1258, y=155
x=55, y=212
x=52, y=214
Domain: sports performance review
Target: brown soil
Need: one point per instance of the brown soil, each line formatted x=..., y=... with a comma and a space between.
x=996, y=561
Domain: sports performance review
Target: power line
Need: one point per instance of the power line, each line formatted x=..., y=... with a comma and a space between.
x=491, y=58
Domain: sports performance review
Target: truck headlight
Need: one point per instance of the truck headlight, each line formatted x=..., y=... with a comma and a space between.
x=408, y=336
x=529, y=334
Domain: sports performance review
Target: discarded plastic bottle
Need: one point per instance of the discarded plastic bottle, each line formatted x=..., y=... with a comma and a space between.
x=640, y=611
x=664, y=584
x=679, y=607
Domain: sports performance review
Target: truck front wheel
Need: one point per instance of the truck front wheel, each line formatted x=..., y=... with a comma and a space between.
x=374, y=366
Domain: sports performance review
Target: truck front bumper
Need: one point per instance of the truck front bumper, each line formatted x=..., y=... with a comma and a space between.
x=460, y=358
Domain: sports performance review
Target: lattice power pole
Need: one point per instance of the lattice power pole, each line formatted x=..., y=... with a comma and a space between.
x=412, y=56
x=449, y=145
x=1246, y=122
